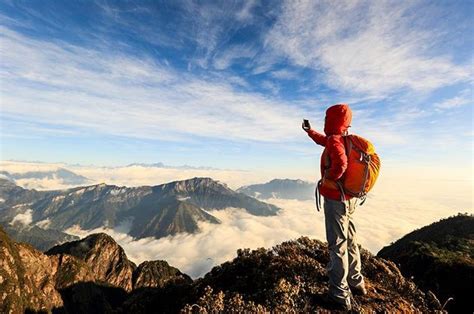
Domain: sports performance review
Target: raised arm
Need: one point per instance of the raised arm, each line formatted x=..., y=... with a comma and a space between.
x=319, y=138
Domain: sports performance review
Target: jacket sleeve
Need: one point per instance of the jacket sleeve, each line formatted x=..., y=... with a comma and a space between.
x=337, y=154
x=317, y=137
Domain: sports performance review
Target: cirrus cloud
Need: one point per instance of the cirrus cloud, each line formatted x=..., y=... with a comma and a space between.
x=371, y=48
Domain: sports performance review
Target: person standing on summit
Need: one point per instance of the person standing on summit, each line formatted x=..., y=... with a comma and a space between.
x=344, y=269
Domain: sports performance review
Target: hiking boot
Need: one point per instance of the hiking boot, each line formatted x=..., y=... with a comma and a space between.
x=359, y=290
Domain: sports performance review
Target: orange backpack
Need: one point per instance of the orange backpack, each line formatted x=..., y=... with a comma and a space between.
x=363, y=166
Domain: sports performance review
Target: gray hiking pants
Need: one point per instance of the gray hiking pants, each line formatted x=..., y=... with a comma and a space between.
x=344, y=267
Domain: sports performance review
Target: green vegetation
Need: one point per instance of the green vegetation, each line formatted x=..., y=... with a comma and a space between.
x=440, y=258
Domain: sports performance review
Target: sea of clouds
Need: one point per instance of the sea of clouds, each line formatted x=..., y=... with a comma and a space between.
x=130, y=175
x=399, y=203
x=393, y=209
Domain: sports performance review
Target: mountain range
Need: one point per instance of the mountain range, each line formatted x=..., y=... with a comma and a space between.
x=151, y=211
x=162, y=165
x=94, y=275
x=281, y=188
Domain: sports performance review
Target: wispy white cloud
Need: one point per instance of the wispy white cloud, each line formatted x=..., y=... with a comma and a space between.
x=285, y=74
x=94, y=91
x=270, y=86
x=115, y=94
x=364, y=47
x=210, y=26
x=225, y=58
x=464, y=98
x=245, y=12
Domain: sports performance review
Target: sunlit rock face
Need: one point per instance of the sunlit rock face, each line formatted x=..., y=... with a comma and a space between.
x=104, y=256
x=27, y=278
x=86, y=275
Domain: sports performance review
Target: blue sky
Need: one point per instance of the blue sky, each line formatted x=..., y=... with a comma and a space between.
x=226, y=84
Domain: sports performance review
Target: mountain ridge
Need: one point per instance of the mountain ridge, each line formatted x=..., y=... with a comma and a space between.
x=154, y=211
x=280, y=188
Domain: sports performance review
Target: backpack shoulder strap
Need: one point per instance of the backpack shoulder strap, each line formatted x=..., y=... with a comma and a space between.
x=348, y=144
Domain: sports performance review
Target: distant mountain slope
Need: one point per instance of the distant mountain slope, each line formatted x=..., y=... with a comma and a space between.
x=11, y=194
x=440, y=257
x=156, y=211
x=39, y=238
x=174, y=216
x=94, y=275
x=281, y=188
x=210, y=194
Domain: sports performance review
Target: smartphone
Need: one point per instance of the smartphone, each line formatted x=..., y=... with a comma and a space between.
x=306, y=124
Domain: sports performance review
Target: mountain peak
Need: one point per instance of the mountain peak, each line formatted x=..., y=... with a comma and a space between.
x=80, y=248
x=193, y=186
x=158, y=274
x=106, y=258
x=211, y=194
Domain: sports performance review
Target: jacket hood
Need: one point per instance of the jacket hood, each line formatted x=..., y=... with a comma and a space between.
x=338, y=119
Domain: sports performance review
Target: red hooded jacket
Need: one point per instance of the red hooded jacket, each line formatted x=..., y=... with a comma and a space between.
x=338, y=120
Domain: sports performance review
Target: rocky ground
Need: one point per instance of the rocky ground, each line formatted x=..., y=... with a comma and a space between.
x=93, y=275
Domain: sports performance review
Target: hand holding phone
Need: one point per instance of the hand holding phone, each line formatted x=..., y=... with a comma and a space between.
x=306, y=126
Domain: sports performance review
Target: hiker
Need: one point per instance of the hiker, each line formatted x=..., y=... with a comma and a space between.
x=344, y=269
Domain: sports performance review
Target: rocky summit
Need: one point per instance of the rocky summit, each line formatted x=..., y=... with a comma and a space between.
x=291, y=277
x=93, y=275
